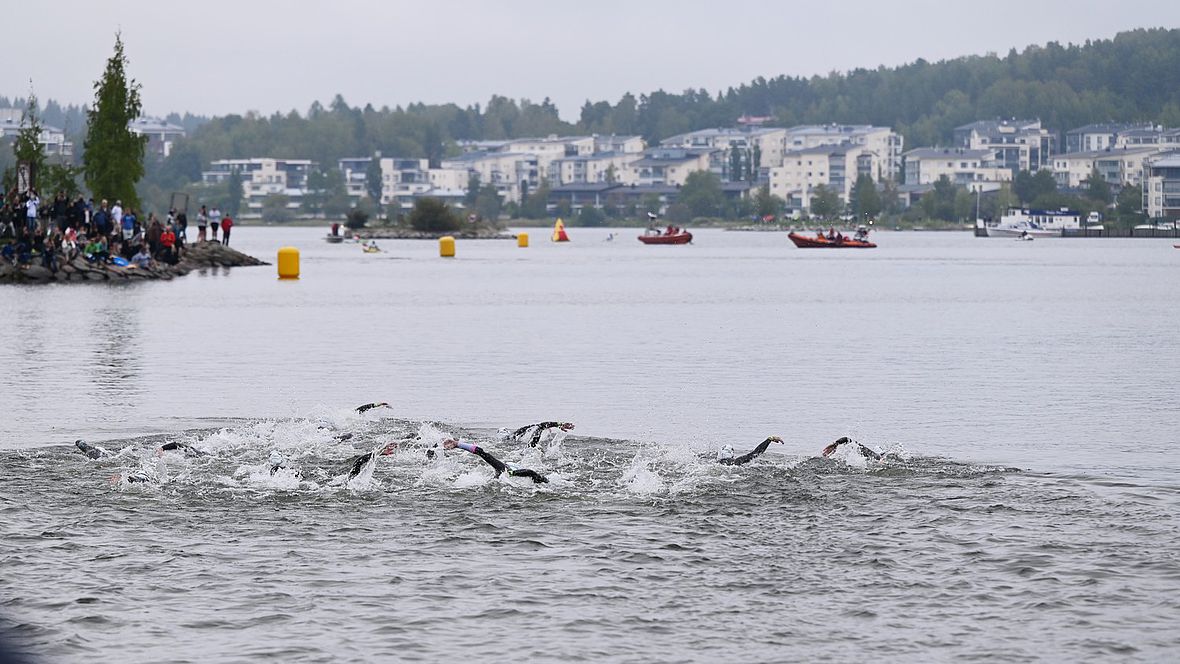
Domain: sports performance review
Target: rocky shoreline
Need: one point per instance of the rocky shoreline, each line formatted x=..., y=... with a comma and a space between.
x=196, y=256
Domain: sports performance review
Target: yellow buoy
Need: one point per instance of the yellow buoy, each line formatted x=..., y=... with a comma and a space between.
x=522, y=239
x=446, y=246
x=288, y=263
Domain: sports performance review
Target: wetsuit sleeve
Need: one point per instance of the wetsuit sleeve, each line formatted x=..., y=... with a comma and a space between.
x=521, y=431
x=748, y=456
x=870, y=453
x=491, y=460
x=533, y=475
x=358, y=463
x=542, y=428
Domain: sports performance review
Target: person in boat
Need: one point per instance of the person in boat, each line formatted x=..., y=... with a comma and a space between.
x=371, y=406
x=499, y=466
x=862, y=234
x=335, y=228
x=867, y=452
x=725, y=456
x=671, y=230
x=831, y=233
x=538, y=429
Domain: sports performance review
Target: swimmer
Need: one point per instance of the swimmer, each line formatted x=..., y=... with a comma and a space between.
x=189, y=450
x=92, y=451
x=864, y=451
x=725, y=455
x=499, y=466
x=371, y=406
x=359, y=462
x=540, y=428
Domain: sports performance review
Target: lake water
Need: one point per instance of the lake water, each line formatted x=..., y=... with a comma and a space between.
x=1028, y=388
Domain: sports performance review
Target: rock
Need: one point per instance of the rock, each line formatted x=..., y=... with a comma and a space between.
x=38, y=273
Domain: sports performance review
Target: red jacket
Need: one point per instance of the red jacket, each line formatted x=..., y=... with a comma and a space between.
x=226, y=224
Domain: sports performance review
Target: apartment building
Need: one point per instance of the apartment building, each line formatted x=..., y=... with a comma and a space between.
x=1020, y=145
x=761, y=148
x=52, y=139
x=881, y=141
x=1095, y=137
x=604, y=143
x=593, y=168
x=262, y=177
x=404, y=180
x=1161, y=189
x=837, y=167
x=961, y=166
x=671, y=166
x=511, y=173
x=1118, y=166
x=160, y=134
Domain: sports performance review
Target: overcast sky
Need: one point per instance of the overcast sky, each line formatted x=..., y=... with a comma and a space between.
x=216, y=57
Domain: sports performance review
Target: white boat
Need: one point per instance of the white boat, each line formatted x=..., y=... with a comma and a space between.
x=1022, y=222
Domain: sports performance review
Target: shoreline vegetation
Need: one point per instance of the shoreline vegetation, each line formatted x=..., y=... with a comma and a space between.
x=197, y=256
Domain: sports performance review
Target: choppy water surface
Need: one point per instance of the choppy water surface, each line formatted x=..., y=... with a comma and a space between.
x=1028, y=389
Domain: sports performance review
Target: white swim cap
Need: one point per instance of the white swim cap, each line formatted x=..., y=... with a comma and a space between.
x=276, y=458
x=725, y=452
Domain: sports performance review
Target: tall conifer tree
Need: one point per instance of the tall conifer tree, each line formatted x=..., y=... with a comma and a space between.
x=113, y=162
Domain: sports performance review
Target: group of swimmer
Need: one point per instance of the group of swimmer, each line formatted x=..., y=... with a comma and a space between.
x=530, y=433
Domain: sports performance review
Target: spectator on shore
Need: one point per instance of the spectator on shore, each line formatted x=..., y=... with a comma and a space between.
x=117, y=217
x=31, y=204
x=61, y=208
x=226, y=224
x=202, y=222
x=214, y=222
x=168, y=245
x=142, y=258
x=154, y=231
x=127, y=224
x=100, y=221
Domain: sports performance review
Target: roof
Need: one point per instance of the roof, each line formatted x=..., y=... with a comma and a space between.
x=953, y=153
x=994, y=126
x=583, y=187
x=1108, y=153
x=837, y=148
x=1168, y=160
x=844, y=130
x=154, y=126
x=1106, y=128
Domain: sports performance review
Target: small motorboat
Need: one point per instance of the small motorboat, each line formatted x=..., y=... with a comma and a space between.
x=334, y=239
x=819, y=241
x=679, y=236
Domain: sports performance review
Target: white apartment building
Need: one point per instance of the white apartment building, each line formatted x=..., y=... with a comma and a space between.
x=403, y=180
x=1118, y=166
x=262, y=177
x=837, y=167
x=881, y=141
x=593, y=168
x=509, y=172
x=670, y=166
x=52, y=139
x=623, y=144
x=1149, y=135
x=161, y=135
x=1161, y=189
x=1095, y=137
x=763, y=147
x=1020, y=145
x=961, y=166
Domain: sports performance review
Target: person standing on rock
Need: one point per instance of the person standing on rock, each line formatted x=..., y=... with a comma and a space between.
x=214, y=221
x=31, y=210
x=117, y=218
x=202, y=222
x=154, y=231
x=226, y=224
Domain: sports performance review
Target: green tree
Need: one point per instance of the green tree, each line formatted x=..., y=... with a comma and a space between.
x=591, y=216
x=233, y=193
x=535, y=205
x=890, y=197
x=431, y=215
x=27, y=146
x=612, y=175
x=678, y=213
x=472, y=190
x=1129, y=206
x=866, y=200
x=373, y=181
x=61, y=178
x=357, y=218
x=1097, y=188
x=767, y=204
x=113, y=159
x=274, y=208
x=735, y=164
x=701, y=194
x=940, y=203
x=488, y=203
x=825, y=202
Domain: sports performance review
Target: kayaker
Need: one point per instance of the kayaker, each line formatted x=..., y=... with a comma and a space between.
x=499, y=466
x=540, y=428
x=725, y=455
